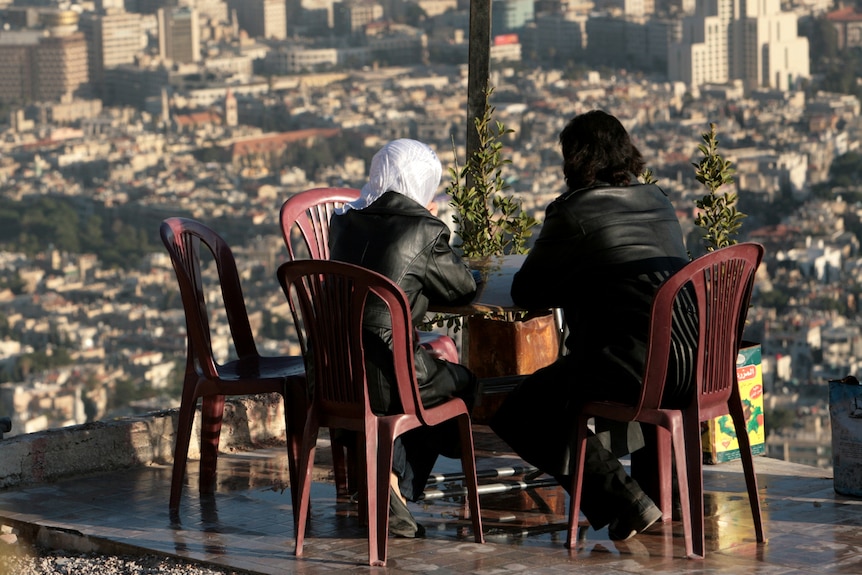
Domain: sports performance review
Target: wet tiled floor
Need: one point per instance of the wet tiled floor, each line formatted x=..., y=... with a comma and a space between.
x=247, y=524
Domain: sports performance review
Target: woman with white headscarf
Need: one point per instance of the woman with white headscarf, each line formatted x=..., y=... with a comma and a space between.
x=392, y=229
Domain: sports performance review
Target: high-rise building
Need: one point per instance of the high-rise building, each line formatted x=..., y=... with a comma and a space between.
x=638, y=7
x=17, y=53
x=293, y=16
x=103, y=5
x=509, y=15
x=350, y=18
x=556, y=37
x=213, y=9
x=744, y=40
x=314, y=18
x=179, y=34
x=261, y=18
x=45, y=65
x=113, y=38
x=61, y=67
x=152, y=6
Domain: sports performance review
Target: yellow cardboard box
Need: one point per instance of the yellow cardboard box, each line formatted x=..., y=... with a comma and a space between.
x=718, y=435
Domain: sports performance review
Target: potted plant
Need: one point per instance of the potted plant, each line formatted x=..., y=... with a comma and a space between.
x=719, y=218
x=720, y=221
x=490, y=222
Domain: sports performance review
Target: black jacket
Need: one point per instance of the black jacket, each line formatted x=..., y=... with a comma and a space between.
x=601, y=254
x=400, y=239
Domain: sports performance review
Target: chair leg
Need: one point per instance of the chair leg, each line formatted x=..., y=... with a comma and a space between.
x=575, y=492
x=747, y=458
x=468, y=464
x=665, y=454
x=295, y=415
x=212, y=412
x=377, y=472
x=304, y=473
x=185, y=420
x=693, y=483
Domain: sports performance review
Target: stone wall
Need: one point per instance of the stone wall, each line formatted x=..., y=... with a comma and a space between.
x=130, y=441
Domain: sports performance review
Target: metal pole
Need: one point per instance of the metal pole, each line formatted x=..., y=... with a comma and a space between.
x=478, y=71
x=436, y=478
x=500, y=487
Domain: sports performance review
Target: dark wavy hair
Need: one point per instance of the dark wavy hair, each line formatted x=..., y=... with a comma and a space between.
x=596, y=148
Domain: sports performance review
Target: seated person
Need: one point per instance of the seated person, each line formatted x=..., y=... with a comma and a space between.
x=392, y=229
x=606, y=245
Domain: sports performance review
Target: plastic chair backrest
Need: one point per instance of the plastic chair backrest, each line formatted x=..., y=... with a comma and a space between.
x=721, y=282
x=328, y=300
x=183, y=239
x=310, y=211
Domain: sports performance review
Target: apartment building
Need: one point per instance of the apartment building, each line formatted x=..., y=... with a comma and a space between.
x=261, y=18
x=755, y=42
x=61, y=67
x=113, y=38
x=351, y=18
x=17, y=52
x=179, y=34
x=38, y=66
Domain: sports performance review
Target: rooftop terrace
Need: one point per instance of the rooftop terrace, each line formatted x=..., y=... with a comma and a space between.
x=247, y=524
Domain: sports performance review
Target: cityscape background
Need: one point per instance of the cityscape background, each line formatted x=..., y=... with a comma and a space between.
x=115, y=115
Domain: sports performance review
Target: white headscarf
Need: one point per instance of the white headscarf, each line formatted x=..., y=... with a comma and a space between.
x=405, y=166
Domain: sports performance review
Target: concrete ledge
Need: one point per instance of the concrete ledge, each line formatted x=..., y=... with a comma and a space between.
x=100, y=446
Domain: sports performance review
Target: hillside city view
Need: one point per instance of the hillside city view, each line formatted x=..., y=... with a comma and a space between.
x=117, y=114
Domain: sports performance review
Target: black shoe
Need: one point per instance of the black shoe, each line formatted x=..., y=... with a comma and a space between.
x=638, y=519
x=401, y=521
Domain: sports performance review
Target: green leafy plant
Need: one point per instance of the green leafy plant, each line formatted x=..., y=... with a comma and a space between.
x=718, y=218
x=488, y=219
x=648, y=177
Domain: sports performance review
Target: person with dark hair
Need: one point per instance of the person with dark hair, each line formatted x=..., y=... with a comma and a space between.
x=605, y=246
x=392, y=228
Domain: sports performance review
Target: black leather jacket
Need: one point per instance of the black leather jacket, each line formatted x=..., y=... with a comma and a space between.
x=600, y=255
x=400, y=239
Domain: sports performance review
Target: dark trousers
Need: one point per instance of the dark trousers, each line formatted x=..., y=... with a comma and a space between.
x=536, y=421
x=416, y=451
x=608, y=491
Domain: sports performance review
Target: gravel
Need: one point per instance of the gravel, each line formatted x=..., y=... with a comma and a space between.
x=21, y=559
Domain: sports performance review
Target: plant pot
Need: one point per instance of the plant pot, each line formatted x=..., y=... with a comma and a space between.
x=498, y=351
x=497, y=348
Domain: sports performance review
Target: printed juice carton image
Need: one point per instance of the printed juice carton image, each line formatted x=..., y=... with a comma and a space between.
x=718, y=435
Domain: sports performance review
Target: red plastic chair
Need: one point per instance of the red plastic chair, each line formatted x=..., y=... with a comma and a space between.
x=722, y=281
x=327, y=299
x=251, y=373
x=310, y=212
